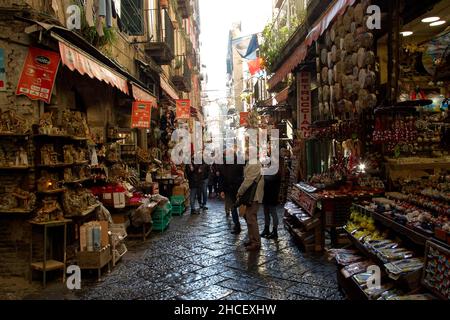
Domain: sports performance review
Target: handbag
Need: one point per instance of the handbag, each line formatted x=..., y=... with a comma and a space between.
x=247, y=198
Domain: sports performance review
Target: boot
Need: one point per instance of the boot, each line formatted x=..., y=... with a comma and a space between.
x=236, y=229
x=273, y=234
x=265, y=233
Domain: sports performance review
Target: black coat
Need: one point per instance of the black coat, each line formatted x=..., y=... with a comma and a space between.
x=195, y=177
x=272, y=184
x=231, y=177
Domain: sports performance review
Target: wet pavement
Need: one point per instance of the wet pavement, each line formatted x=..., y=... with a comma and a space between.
x=198, y=258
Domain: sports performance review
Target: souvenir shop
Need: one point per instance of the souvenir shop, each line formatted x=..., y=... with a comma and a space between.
x=370, y=160
x=84, y=159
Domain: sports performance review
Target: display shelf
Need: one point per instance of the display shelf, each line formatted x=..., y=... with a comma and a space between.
x=53, y=223
x=411, y=199
x=15, y=168
x=409, y=281
x=13, y=135
x=80, y=163
x=419, y=163
x=56, y=191
x=18, y=211
x=59, y=136
x=350, y=287
x=78, y=181
x=49, y=265
x=415, y=235
x=55, y=165
x=85, y=212
x=52, y=136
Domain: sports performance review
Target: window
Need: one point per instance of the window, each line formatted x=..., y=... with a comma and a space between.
x=133, y=16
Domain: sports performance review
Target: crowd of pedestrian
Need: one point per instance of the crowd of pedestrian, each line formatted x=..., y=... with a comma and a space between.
x=232, y=183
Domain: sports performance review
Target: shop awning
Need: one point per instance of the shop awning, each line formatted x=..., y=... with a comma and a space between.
x=76, y=59
x=140, y=94
x=168, y=88
x=91, y=61
x=282, y=96
x=336, y=9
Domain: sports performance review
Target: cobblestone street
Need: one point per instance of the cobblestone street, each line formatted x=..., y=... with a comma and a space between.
x=198, y=258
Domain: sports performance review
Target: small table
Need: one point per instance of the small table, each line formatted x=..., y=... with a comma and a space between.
x=48, y=264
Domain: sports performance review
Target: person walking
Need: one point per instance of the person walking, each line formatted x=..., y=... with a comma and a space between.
x=252, y=174
x=204, y=171
x=212, y=182
x=230, y=179
x=272, y=185
x=194, y=176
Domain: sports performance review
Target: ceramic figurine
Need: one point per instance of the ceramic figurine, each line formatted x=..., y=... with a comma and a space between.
x=21, y=158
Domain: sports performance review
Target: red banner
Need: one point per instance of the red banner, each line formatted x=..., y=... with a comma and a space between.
x=141, y=113
x=38, y=74
x=243, y=119
x=183, y=109
x=304, y=109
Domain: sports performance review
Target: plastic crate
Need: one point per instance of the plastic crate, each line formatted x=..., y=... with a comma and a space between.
x=177, y=200
x=178, y=210
x=161, y=225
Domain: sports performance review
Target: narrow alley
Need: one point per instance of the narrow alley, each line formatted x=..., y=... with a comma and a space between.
x=199, y=259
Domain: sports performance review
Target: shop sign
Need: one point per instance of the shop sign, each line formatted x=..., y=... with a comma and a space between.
x=183, y=109
x=141, y=113
x=2, y=71
x=38, y=74
x=304, y=111
x=243, y=119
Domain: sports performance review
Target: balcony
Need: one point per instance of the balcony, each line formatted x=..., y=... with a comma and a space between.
x=290, y=15
x=185, y=8
x=161, y=45
x=181, y=74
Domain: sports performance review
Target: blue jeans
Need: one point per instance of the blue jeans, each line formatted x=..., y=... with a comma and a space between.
x=204, y=192
x=195, y=194
x=235, y=216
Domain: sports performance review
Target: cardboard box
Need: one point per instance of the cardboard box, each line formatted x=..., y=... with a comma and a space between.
x=94, y=259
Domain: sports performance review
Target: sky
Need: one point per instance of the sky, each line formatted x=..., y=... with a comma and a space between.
x=217, y=17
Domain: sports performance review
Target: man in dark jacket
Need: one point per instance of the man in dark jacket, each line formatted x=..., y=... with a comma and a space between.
x=195, y=178
x=231, y=177
x=272, y=185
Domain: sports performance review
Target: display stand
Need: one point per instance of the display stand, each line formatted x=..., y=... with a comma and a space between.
x=48, y=264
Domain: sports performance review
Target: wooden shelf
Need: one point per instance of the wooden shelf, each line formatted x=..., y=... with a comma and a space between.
x=77, y=181
x=80, y=163
x=20, y=211
x=421, y=163
x=56, y=165
x=14, y=135
x=85, y=212
x=16, y=168
x=56, y=191
x=60, y=136
x=49, y=265
x=54, y=223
